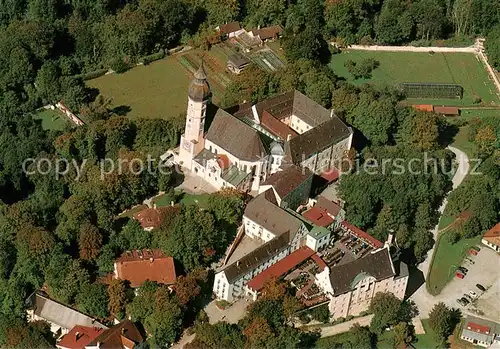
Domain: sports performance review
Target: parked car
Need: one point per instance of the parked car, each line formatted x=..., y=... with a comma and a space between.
x=459, y=274
x=466, y=296
x=472, y=252
x=481, y=287
x=462, y=269
x=465, y=300
x=473, y=294
x=461, y=302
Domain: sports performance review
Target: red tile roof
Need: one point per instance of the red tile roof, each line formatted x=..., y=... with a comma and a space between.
x=268, y=32
x=280, y=268
x=79, y=337
x=140, y=265
x=329, y=206
x=223, y=161
x=229, y=28
x=276, y=127
x=319, y=261
x=331, y=175
x=424, y=107
x=362, y=235
x=478, y=328
x=447, y=110
x=120, y=336
x=151, y=217
x=318, y=216
x=493, y=235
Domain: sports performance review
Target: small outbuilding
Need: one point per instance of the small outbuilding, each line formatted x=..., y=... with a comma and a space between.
x=228, y=29
x=237, y=63
x=447, y=111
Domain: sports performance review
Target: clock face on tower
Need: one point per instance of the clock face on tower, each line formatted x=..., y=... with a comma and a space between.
x=186, y=144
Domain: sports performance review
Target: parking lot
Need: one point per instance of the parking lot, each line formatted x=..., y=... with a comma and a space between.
x=484, y=271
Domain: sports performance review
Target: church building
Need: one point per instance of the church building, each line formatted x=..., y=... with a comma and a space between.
x=246, y=144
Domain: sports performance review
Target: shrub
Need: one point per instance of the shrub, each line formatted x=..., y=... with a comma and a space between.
x=362, y=69
x=321, y=313
x=453, y=236
x=119, y=66
x=350, y=317
x=339, y=320
x=476, y=99
x=153, y=57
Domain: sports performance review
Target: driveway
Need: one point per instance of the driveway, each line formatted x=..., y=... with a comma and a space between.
x=421, y=297
x=484, y=271
x=232, y=314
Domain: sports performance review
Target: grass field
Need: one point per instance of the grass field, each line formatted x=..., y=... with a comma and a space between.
x=186, y=199
x=158, y=90
x=427, y=340
x=51, y=119
x=397, y=67
x=446, y=258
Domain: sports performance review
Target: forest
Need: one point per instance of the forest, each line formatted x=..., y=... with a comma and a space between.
x=63, y=234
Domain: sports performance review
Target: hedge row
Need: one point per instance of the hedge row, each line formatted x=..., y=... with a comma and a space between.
x=93, y=74
x=153, y=57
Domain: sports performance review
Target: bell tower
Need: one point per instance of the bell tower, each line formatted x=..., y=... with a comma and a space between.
x=192, y=141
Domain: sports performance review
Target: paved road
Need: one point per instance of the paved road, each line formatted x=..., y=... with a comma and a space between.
x=421, y=297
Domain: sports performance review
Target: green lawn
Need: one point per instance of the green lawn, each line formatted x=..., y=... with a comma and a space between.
x=158, y=90
x=397, y=67
x=51, y=119
x=427, y=340
x=186, y=199
x=461, y=141
x=447, y=257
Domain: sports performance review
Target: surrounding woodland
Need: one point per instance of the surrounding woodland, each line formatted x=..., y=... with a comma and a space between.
x=63, y=233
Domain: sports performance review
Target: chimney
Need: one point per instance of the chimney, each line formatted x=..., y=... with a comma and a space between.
x=78, y=335
x=171, y=203
x=154, y=206
x=390, y=238
x=151, y=259
x=237, y=263
x=288, y=137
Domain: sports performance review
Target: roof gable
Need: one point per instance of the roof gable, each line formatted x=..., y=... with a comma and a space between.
x=236, y=137
x=140, y=265
x=257, y=257
x=287, y=180
x=271, y=217
x=60, y=314
x=124, y=334
x=317, y=139
x=378, y=265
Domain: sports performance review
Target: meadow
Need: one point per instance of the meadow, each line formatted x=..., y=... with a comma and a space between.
x=396, y=67
x=158, y=90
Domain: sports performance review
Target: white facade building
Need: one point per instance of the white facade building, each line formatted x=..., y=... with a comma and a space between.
x=243, y=148
x=352, y=286
x=280, y=233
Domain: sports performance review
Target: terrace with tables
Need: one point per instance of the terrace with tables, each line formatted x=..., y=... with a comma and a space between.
x=346, y=249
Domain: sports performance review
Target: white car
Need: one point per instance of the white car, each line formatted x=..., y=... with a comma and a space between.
x=473, y=294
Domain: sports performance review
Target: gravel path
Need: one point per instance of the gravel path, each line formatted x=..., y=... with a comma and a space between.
x=421, y=297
